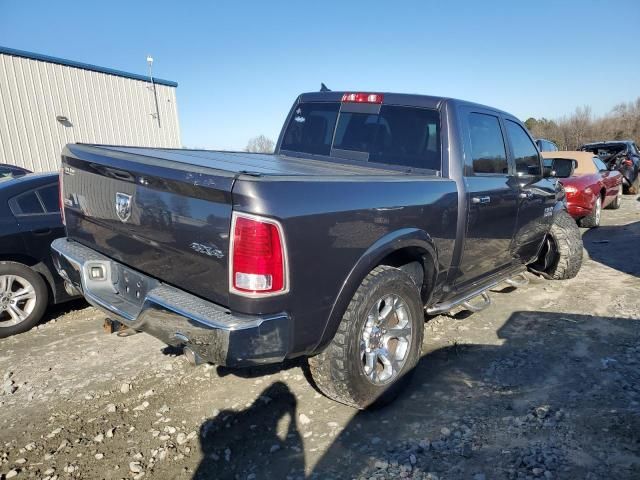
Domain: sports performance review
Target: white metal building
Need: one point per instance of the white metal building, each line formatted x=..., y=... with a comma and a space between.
x=47, y=102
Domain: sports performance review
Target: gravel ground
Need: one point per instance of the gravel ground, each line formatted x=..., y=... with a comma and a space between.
x=543, y=384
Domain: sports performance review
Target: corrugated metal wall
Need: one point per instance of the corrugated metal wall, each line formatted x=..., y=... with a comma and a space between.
x=101, y=108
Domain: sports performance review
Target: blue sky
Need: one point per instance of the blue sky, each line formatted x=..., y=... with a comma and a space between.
x=240, y=65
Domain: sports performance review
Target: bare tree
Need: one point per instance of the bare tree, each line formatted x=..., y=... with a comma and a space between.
x=260, y=144
x=621, y=123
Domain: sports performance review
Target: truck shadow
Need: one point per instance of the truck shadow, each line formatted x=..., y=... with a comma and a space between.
x=557, y=391
x=615, y=246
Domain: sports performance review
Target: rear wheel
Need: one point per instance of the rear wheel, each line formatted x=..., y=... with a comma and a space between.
x=593, y=219
x=23, y=298
x=561, y=254
x=377, y=345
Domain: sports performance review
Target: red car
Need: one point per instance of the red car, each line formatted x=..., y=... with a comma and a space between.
x=589, y=185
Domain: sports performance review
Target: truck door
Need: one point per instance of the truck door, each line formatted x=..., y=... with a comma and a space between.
x=536, y=195
x=492, y=200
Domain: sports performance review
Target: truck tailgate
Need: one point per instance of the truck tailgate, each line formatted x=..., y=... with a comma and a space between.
x=164, y=218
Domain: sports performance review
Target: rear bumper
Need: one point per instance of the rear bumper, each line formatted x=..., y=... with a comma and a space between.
x=176, y=317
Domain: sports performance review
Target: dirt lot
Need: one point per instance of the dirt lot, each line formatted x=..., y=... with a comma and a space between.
x=544, y=384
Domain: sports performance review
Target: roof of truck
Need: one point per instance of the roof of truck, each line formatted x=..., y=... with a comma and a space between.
x=391, y=98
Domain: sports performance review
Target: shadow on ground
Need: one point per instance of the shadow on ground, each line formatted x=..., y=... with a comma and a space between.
x=615, y=246
x=60, y=309
x=560, y=395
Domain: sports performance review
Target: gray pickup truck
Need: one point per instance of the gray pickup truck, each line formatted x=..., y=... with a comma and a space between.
x=374, y=209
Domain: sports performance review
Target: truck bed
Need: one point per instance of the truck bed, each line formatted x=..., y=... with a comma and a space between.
x=180, y=205
x=255, y=163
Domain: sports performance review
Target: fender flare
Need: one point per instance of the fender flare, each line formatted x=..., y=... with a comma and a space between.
x=384, y=246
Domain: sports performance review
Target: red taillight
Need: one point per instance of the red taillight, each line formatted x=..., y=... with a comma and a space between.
x=362, y=98
x=60, y=196
x=257, y=256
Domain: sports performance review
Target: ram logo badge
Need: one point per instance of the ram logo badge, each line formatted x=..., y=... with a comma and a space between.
x=123, y=206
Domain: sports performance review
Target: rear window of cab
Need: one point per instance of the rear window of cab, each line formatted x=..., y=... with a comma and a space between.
x=397, y=135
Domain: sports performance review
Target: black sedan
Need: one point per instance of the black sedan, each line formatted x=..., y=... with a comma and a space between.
x=29, y=221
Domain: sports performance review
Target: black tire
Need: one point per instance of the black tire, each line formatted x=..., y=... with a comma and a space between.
x=339, y=372
x=561, y=255
x=615, y=205
x=25, y=273
x=593, y=219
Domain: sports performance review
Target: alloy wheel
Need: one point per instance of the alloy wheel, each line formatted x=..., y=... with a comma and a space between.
x=17, y=300
x=385, y=339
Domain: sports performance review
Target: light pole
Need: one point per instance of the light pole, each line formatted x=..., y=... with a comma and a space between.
x=153, y=86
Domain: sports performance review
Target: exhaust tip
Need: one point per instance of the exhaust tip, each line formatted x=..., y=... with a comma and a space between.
x=70, y=289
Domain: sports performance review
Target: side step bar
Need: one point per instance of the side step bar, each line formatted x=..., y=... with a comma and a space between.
x=478, y=307
x=518, y=280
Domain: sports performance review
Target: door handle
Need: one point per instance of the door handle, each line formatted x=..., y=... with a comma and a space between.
x=525, y=194
x=42, y=231
x=479, y=200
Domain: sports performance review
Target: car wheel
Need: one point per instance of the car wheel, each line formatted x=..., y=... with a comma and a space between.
x=561, y=254
x=593, y=219
x=618, y=200
x=378, y=343
x=23, y=298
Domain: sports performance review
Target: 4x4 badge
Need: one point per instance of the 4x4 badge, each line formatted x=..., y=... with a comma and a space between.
x=123, y=206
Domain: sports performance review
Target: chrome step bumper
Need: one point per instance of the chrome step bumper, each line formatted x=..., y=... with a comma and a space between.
x=176, y=317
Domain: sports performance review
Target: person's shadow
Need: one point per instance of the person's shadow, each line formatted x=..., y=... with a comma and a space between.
x=262, y=439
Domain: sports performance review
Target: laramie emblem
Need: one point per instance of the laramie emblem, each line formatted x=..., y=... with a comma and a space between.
x=123, y=206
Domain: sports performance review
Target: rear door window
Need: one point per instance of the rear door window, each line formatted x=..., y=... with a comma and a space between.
x=488, y=152
x=36, y=202
x=50, y=198
x=525, y=153
x=26, y=204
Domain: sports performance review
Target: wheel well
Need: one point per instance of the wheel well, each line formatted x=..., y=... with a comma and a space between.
x=418, y=264
x=32, y=262
x=24, y=259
